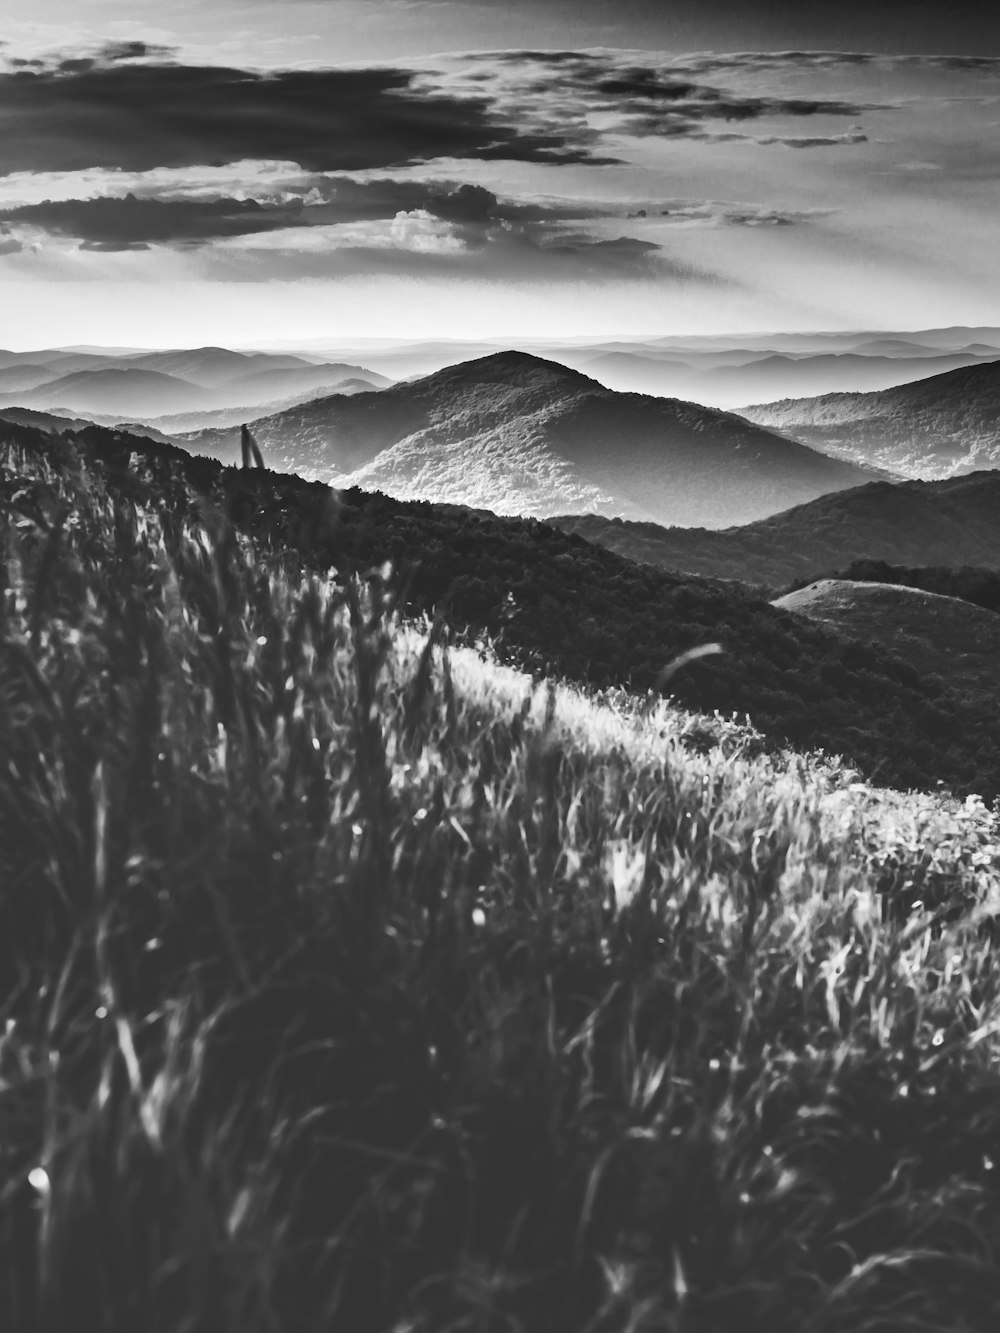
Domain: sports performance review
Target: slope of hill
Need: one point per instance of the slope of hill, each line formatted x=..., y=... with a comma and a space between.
x=517, y=434
x=49, y=422
x=353, y=981
x=941, y=636
x=936, y=427
x=970, y=583
x=952, y=522
x=267, y=386
x=214, y=366
x=181, y=424
x=117, y=392
x=24, y=376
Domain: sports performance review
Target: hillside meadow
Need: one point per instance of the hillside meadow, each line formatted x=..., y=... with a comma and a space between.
x=947, y=637
x=351, y=978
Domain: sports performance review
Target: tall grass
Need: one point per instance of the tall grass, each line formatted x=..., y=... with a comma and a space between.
x=349, y=980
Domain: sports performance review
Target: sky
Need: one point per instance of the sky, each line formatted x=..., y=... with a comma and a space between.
x=257, y=174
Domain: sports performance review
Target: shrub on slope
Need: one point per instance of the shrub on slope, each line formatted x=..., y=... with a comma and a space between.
x=350, y=983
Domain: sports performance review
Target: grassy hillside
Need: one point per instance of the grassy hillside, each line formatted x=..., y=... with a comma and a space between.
x=942, y=636
x=971, y=583
x=946, y=523
x=350, y=982
x=559, y=605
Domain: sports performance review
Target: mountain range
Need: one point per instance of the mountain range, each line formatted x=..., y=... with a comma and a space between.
x=936, y=427
x=153, y=384
x=952, y=522
x=520, y=435
x=728, y=378
x=718, y=371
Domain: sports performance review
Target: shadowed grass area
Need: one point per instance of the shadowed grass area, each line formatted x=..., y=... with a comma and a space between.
x=351, y=980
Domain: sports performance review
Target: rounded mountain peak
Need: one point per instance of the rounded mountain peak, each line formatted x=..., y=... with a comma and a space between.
x=514, y=368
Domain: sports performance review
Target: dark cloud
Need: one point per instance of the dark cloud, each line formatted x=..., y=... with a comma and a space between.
x=134, y=109
x=655, y=101
x=132, y=222
x=342, y=199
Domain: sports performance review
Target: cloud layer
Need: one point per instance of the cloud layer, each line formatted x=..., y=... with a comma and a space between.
x=583, y=168
x=134, y=109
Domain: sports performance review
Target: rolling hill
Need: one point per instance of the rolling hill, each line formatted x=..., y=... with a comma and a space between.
x=939, y=636
x=517, y=434
x=180, y=424
x=936, y=427
x=126, y=391
x=214, y=366
x=48, y=422
x=25, y=376
x=953, y=522
x=267, y=386
x=185, y=382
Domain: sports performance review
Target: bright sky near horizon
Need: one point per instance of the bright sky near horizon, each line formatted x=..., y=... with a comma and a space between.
x=241, y=172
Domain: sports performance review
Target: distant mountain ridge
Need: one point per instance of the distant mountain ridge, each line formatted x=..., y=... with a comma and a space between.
x=116, y=390
x=154, y=384
x=728, y=378
x=952, y=522
x=517, y=434
x=936, y=427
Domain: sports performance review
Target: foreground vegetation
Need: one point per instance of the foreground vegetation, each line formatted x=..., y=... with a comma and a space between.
x=349, y=980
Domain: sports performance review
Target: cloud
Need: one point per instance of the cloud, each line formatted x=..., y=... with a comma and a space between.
x=10, y=244
x=132, y=108
x=718, y=213
x=325, y=225
x=670, y=98
x=853, y=136
x=417, y=244
x=130, y=223
x=106, y=247
x=133, y=221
